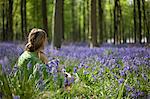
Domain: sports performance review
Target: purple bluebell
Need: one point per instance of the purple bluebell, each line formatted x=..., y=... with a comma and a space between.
x=66, y=81
x=128, y=88
x=121, y=80
x=16, y=97
x=71, y=80
x=86, y=67
x=94, y=77
x=122, y=72
x=75, y=70
x=144, y=76
x=86, y=72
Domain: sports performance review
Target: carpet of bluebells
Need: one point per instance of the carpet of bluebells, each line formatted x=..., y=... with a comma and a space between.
x=107, y=72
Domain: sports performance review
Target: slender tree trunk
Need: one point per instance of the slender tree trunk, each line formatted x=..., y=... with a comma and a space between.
x=120, y=24
x=34, y=13
x=9, y=24
x=148, y=30
x=37, y=12
x=44, y=13
x=84, y=22
x=115, y=22
x=6, y=24
x=23, y=19
x=144, y=19
x=79, y=22
x=74, y=23
x=100, y=10
x=88, y=17
x=145, y=22
x=73, y=19
x=123, y=33
x=57, y=24
x=93, y=24
x=3, y=18
x=11, y=19
x=134, y=10
x=63, y=35
x=140, y=22
x=111, y=21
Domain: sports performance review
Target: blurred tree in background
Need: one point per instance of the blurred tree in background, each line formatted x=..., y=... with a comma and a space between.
x=95, y=21
x=57, y=23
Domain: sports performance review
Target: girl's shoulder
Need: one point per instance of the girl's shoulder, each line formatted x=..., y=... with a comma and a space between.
x=27, y=57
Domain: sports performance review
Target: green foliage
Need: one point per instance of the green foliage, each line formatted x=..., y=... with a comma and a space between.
x=34, y=17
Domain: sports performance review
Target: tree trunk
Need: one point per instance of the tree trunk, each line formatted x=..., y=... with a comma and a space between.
x=63, y=35
x=88, y=17
x=140, y=23
x=57, y=24
x=11, y=19
x=84, y=22
x=111, y=21
x=44, y=13
x=115, y=22
x=120, y=23
x=74, y=23
x=93, y=24
x=79, y=23
x=3, y=18
x=134, y=10
x=100, y=9
x=23, y=20
x=145, y=22
x=9, y=24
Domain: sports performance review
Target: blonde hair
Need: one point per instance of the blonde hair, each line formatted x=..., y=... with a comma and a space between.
x=36, y=40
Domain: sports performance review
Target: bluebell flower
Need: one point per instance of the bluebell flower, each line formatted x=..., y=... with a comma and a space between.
x=121, y=80
x=139, y=93
x=144, y=76
x=128, y=88
x=55, y=76
x=99, y=73
x=122, y=73
x=94, y=68
x=80, y=65
x=115, y=77
x=75, y=70
x=85, y=72
x=16, y=97
x=66, y=81
x=49, y=68
x=94, y=77
x=71, y=80
x=86, y=67
x=126, y=68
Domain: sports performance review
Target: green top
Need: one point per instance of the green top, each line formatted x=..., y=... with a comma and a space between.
x=28, y=67
x=27, y=57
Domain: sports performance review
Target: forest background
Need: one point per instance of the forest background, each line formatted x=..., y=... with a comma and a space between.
x=95, y=21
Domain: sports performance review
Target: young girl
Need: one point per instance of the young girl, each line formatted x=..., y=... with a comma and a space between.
x=34, y=48
x=34, y=51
